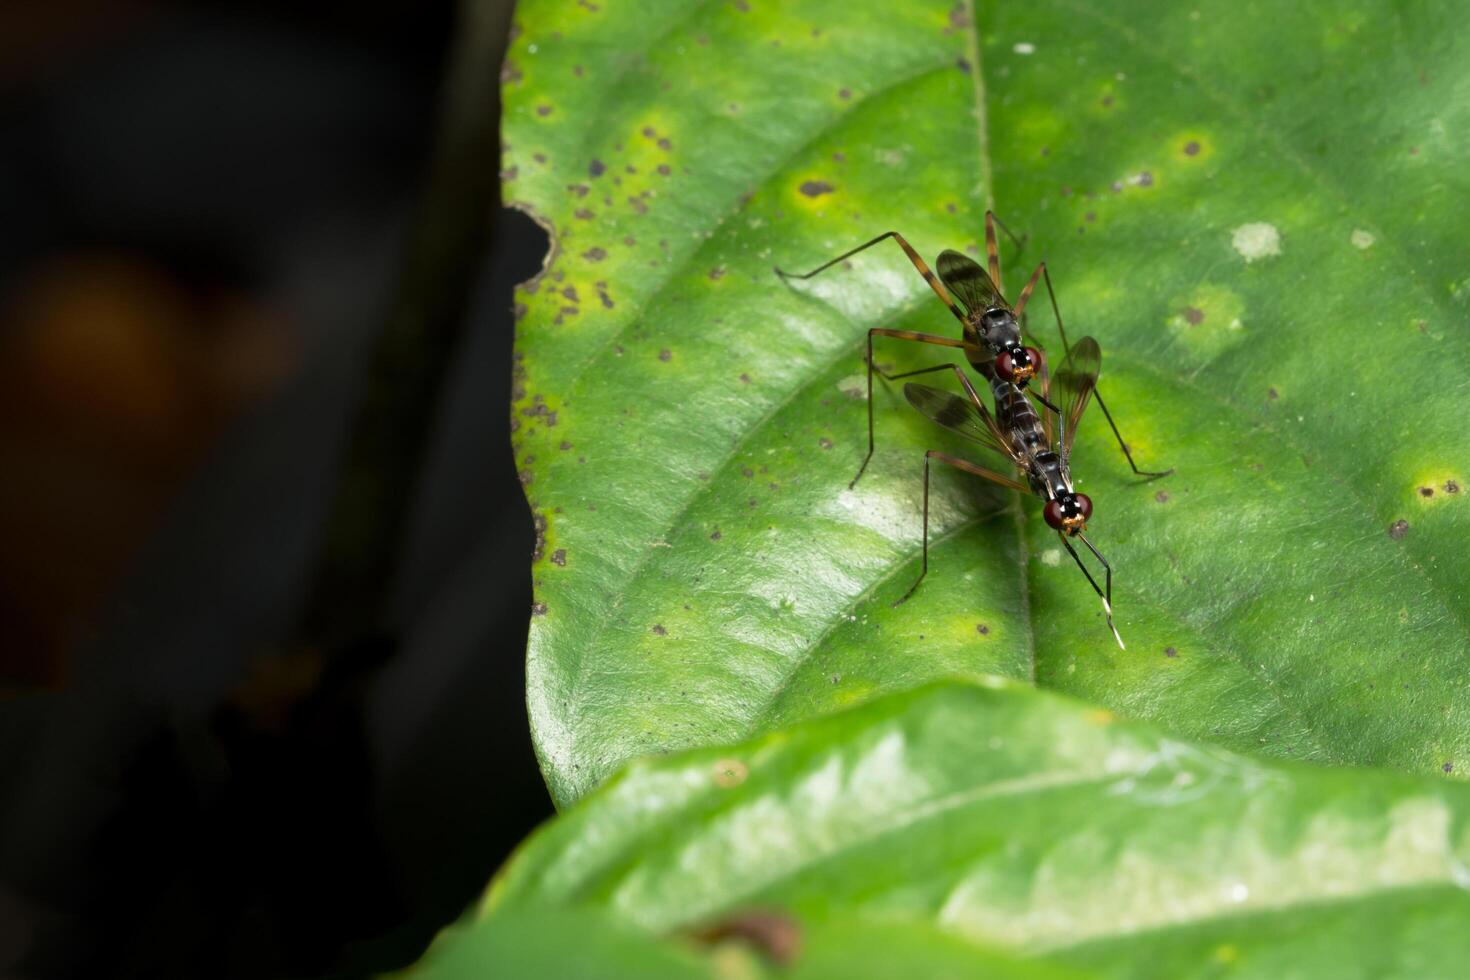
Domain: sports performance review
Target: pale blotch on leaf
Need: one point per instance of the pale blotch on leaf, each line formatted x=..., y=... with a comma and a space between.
x=1361, y=238
x=1051, y=557
x=1206, y=321
x=1258, y=240
x=1023, y=47
x=854, y=386
x=730, y=773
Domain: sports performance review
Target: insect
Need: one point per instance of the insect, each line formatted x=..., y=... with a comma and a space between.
x=992, y=330
x=1039, y=449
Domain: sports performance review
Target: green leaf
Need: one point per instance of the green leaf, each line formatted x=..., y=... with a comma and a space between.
x=1257, y=214
x=571, y=943
x=1008, y=816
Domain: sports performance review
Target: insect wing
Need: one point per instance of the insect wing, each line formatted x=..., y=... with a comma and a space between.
x=958, y=415
x=1074, y=384
x=968, y=281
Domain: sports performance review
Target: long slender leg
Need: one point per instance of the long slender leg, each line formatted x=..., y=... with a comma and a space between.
x=1020, y=242
x=992, y=253
x=1025, y=297
x=908, y=249
x=911, y=374
x=959, y=464
x=1096, y=393
x=922, y=338
x=1107, y=597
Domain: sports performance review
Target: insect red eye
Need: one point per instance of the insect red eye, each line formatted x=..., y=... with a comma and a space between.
x=1035, y=356
x=1005, y=367
x=1053, y=514
x=1084, y=504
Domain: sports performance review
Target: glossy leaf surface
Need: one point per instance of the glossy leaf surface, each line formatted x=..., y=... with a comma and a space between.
x=1255, y=209
x=1016, y=818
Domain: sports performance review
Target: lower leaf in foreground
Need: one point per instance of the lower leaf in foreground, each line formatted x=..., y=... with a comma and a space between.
x=570, y=944
x=1015, y=818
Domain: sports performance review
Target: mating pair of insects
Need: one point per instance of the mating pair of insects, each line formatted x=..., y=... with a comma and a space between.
x=1039, y=445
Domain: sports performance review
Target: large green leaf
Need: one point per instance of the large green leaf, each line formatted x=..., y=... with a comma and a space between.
x=1255, y=208
x=1004, y=815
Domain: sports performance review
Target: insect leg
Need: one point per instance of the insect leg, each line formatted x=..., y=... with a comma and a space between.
x=1096, y=392
x=959, y=464
x=908, y=249
x=1020, y=242
x=992, y=253
x=1107, y=597
x=921, y=338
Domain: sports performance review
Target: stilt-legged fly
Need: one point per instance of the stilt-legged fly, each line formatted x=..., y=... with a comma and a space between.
x=992, y=330
x=1039, y=449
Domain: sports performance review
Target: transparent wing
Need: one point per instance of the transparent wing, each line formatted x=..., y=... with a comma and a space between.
x=969, y=283
x=958, y=415
x=1074, y=384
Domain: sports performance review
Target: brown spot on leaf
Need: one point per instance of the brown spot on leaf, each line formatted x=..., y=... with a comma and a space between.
x=1194, y=316
x=1448, y=767
x=565, y=445
x=718, y=272
x=963, y=65
x=665, y=355
x=1170, y=652
x=715, y=535
x=579, y=189
x=543, y=110
x=816, y=188
x=583, y=214
x=570, y=292
x=664, y=143
x=664, y=170
x=559, y=556
x=1451, y=487
x=1191, y=148
x=658, y=630
x=1162, y=496
x=824, y=442
x=745, y=379
x=776, y=936
x=1426, y=491
x=982, y=629
x=1398, y=529
x=538, y=609
x=1272, y=394
x=595, y=254
x=596, y=168
x=1145, y=179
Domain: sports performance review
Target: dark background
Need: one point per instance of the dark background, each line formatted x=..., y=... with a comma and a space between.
x=264, y=573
